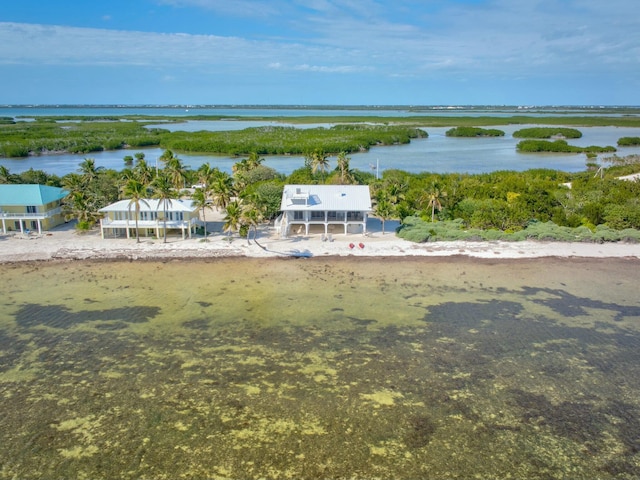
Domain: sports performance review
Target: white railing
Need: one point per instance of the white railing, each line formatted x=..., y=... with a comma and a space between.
x=31, y=215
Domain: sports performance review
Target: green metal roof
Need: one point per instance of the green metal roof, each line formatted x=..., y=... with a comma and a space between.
x=31, y=194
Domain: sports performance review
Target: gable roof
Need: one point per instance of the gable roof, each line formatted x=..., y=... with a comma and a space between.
x=150, y=205
x=339, y=198
x=30, y=194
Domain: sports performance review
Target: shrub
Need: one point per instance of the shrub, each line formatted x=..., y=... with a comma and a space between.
x=416, y=230
x=474, y=132
x=629, y=141
x=547, y=132
x=83, y=226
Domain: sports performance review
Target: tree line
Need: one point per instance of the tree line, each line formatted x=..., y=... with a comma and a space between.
x=504, y=201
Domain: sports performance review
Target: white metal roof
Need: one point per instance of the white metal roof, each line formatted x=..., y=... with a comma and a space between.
x=339, y=198
x=151, y=205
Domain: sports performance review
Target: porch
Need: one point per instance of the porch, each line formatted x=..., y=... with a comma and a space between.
x=147, y=228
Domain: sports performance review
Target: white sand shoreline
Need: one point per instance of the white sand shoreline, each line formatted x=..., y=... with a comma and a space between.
x=65, y=243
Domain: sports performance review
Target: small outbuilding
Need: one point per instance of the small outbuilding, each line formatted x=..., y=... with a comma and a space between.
x=324, y=209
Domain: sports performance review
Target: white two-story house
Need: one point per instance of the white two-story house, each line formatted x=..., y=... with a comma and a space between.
x=325, y=209
x=120, y=218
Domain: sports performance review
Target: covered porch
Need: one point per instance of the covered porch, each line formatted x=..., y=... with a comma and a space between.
x=147, y=228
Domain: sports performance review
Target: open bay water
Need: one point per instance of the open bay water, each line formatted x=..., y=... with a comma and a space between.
x=436, y=154
x=321, y=368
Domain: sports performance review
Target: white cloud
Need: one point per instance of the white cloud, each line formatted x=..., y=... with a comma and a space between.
x=238, y=8
x=330, y=69
x=404, y=38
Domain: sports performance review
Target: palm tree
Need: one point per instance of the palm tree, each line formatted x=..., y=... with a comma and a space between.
x=202, y=200
x=89, y=170
x=73, y=182
x=176, y=172
x=143, y=172
x=166, y=156
x=206, y=174
x=254, y=160
x=164, y=192
x=240, y=166
x=251, y=215
x=346, y=174
x=222, y=189
x=434, y=198
x=319, y=161
x=81, y=206
x=384, y=210
x=395, y=190
x=233, y=219
x=136, y=192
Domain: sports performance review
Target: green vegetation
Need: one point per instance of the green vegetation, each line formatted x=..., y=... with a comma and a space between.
x=629, y=141
x=42, y=136
x=417, y=230
x=289, y=140
x=83, y=134
x=549, y=132
x=559, y=146
x=474, y=132
x=45, y=136
x=501, y=205
x=496, y=205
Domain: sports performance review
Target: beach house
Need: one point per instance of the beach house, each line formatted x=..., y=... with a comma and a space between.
x=324, y=209
x=30, y=207
x=177, y=215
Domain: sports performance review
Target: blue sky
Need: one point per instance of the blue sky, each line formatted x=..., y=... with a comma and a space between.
x=315, y=52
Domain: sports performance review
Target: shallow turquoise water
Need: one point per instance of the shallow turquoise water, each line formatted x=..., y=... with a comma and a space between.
x=320, y=368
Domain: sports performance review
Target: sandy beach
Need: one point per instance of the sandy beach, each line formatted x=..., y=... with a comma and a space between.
x=65, y=243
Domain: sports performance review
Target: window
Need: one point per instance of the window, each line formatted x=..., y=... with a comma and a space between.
x=31, y=209
x=298, y=215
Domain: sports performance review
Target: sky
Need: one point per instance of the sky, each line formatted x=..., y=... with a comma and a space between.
x=320, y=52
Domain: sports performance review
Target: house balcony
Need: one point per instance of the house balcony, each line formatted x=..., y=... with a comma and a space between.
x=31, y=215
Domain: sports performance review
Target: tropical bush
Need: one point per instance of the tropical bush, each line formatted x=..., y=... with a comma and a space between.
x=547, y=132
x=275, y=140
x=417, y=230
x=628, y=141
x=474, y=132
x=559, y=146
x=44, y=136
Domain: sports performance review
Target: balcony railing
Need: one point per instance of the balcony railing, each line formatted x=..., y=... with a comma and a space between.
x=31, y=215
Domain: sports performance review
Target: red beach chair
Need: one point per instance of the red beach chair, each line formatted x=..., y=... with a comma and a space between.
x=351, y=245
x=361, y=245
